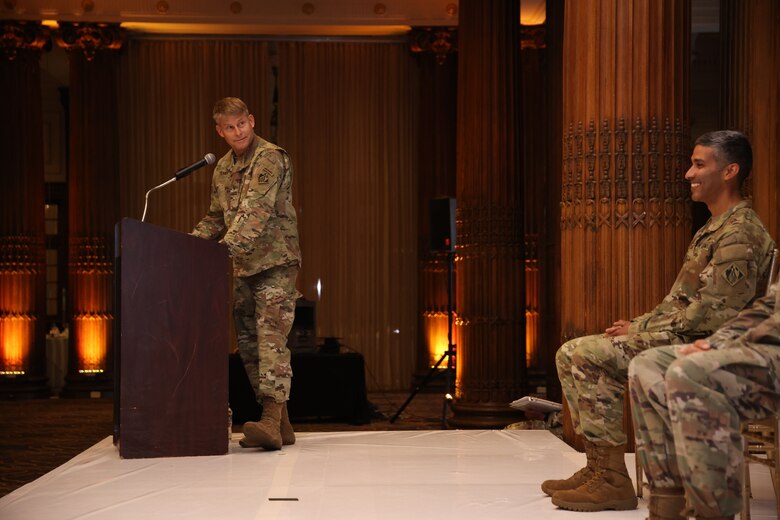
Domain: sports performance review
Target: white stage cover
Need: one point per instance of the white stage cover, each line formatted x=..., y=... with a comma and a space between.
x=451, y=474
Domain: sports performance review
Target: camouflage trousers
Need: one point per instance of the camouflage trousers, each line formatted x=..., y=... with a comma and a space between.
x=593, y=371
x=263, y=310
x=687, y=412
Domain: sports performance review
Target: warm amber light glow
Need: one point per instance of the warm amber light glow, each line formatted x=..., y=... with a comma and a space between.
x=17, y=325
x=533, y=12
x=268, y=29
x=16, y=334
x=91, y=332
x=532, y=291
x=92, y=371
x=436, y=335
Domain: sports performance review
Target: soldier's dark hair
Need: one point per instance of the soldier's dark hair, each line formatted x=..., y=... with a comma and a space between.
x=229, y=106
x=730, y=147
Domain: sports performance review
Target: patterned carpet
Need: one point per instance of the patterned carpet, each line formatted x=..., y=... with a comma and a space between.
x=38, y=435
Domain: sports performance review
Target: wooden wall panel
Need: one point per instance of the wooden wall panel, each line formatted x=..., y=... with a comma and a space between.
x=625, y=222
x=752, y=95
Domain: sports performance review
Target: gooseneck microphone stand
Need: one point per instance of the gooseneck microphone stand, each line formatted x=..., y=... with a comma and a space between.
x=209, y=158
x=146, y=198
x=449, y=355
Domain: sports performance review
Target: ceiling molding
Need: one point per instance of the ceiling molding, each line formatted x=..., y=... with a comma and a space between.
x=252, y=17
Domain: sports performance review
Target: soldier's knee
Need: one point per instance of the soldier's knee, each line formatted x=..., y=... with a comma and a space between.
x=644, y=372
x=562, y=357
x=684, y=372
x=564, y=353
x=594, y=353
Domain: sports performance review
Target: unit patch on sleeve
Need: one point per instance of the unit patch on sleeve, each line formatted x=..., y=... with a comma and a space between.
x=733, y=274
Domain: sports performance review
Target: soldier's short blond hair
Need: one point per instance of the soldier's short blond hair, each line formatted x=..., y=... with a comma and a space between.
x=229, y=106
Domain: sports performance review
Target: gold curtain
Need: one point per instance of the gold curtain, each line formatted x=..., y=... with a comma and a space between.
x=167, y=89
x=347, y=115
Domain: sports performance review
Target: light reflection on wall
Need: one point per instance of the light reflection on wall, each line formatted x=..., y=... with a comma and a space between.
x=92, y=331
x=92, y=289
x=436, y=336
x=16, y=336
x=532, y=288
x=17, y=321
x=435, y=322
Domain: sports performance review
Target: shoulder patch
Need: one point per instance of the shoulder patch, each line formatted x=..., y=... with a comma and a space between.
x=733, y=274
x=263, y=177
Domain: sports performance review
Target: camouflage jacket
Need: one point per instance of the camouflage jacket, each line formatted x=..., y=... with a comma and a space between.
x=251, y=209
x=759, y=323
x=724, y=270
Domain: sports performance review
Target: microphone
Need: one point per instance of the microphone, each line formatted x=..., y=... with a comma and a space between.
x=209, y=158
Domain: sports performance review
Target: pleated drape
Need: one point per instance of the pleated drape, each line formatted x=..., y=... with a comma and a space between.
x=167, y=90
x=348, y=117
x=347, y=113
x=22, y=274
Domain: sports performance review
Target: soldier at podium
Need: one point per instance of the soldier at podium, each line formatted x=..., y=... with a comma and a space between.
x=251, y=212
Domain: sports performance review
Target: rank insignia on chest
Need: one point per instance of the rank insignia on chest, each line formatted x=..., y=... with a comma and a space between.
x=733, y=275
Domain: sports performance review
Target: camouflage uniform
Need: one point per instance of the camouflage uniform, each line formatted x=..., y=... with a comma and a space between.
x=687, y=409
x=727, y=259
x=252, y=213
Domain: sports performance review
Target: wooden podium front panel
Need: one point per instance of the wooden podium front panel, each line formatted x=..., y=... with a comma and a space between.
x=174, y=333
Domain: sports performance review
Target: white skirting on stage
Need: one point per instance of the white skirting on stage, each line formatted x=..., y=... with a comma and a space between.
x=451, y=474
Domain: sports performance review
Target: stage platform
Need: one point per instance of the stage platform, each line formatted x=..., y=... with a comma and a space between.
x=449, y=474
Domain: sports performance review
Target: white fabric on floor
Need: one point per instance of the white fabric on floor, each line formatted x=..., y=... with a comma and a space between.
x=455, y=474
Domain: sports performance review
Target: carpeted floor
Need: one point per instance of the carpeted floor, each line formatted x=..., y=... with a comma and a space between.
x=38, y=435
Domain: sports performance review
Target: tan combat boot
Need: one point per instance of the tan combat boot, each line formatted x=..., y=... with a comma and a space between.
x=666, y=503
x=288, y=434
x=265, y=433
x=551, y=486
x=610, y=487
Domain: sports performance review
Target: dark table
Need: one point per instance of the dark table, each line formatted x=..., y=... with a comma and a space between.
x=324, y=387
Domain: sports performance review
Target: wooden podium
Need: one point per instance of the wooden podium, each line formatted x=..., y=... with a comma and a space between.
x=173, y=294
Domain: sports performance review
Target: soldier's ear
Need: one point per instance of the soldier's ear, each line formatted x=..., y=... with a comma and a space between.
x=731, y=172
x=252, y=120
x=219, y=131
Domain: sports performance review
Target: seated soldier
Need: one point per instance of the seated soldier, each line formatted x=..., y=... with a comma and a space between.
x=727, y=259
x=687, y=405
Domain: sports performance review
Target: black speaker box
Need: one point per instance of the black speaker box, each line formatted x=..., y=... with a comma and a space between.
x=442, y=220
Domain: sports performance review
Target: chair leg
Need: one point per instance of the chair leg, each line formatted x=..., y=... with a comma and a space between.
x=639, y=479
x=745, y=515
x=773, y=468
x=776, y=485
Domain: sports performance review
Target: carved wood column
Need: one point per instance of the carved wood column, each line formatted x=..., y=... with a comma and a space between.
x=438, y=62
x=490, y=262
x=625, y=221
x=533, y=102
x=552, y=238
x=22, y=232
x=93, y=203
x=752, y=95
